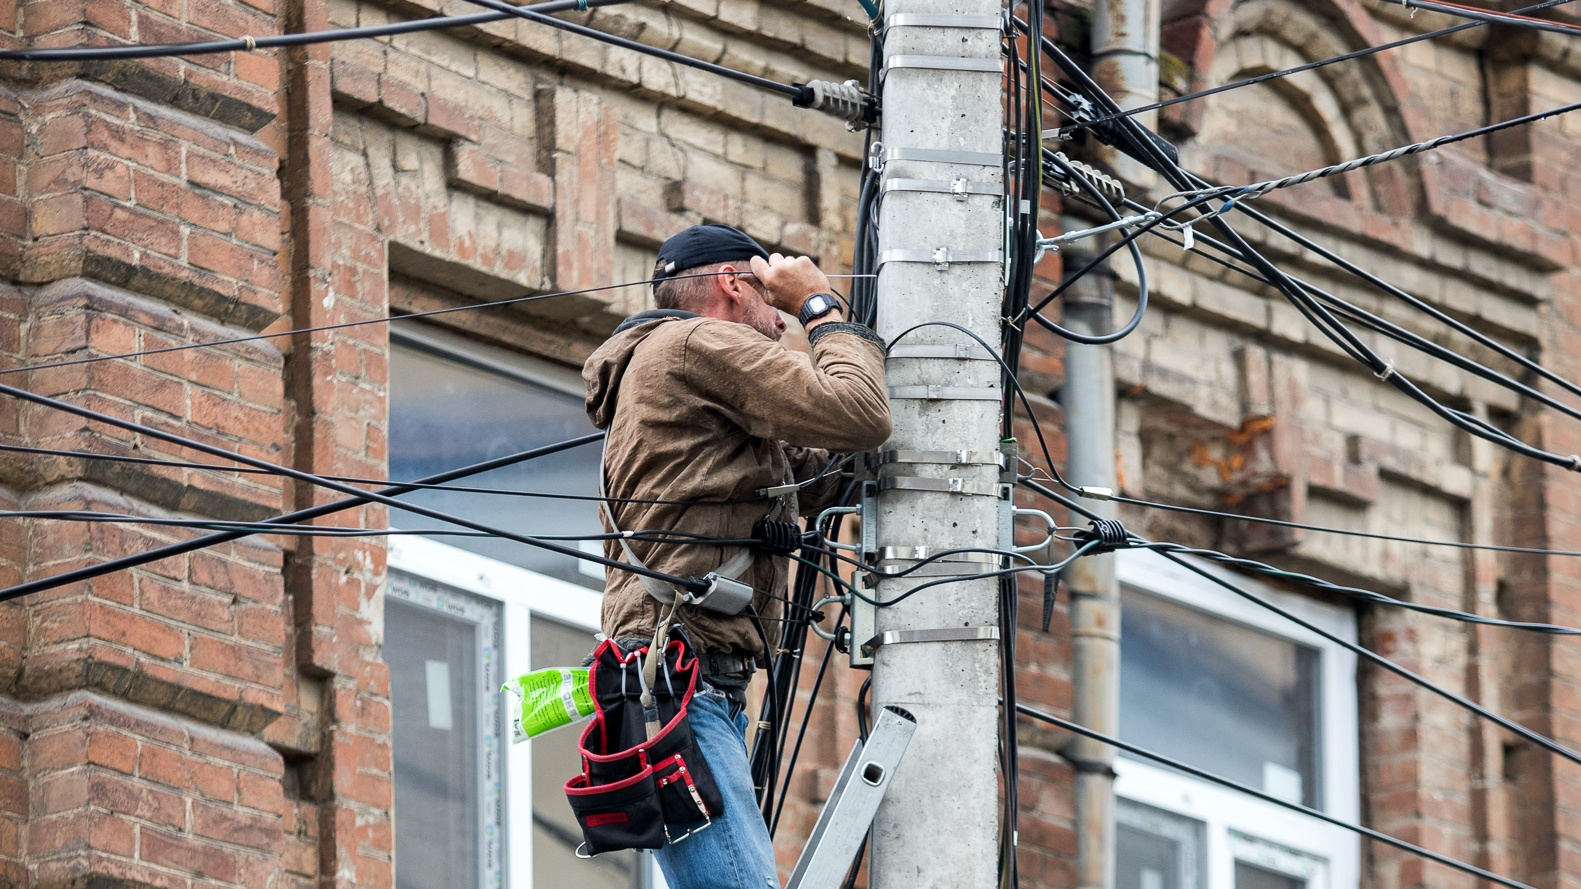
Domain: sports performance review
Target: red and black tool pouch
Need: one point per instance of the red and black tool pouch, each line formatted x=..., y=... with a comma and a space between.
x=636, y=792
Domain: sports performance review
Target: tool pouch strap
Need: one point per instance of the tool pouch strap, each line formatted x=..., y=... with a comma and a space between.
x=637, y=792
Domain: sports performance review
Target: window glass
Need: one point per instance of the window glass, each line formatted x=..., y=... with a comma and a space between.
x=1250, y=876
x=1155, y=849
x=1221, y=696
x=554, y=759
x=442, y=649
x=447, y=413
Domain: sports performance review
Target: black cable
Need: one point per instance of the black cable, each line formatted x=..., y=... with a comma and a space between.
x=695, y=584
x=801, y=733
x=1402, y=335
x=1357, y=593
x=766, y=792
x=1269, y=798
x=635, y=46
x=88, y=572
x=1136, y=257
x=1144, y=146
x=1540, y=740
x=1272, y=75
x=247, y=44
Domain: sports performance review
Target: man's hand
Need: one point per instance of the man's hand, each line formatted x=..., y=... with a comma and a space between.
x=789, y=280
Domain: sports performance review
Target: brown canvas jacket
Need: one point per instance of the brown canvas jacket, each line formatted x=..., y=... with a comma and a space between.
x=708, y=412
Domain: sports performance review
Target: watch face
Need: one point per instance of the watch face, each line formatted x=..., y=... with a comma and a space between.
x=816, y=305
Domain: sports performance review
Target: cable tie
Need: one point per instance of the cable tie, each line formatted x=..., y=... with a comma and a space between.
x=250, y=42
x=1386, y=373
x=581, y=5
x=1188, y=237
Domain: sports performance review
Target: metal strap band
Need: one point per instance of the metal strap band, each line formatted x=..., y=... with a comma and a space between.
x=946, y=634
x=948, y=458
x=939, y=485
x=943, y=20
x=942, y=63
x=960, y=351
x=940, y=156
x=919, y=553
x=941, y=257
x=958, y=188
x=940, y=393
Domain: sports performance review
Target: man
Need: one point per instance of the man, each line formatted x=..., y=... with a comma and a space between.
x=705, y=410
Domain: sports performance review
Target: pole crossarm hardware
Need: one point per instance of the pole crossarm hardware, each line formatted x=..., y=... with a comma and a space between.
x=935, y=393
x=944, y=458
x=941, y=257
x=881, y=155
x=946, y=634
x=958, y=351
x=939, y=485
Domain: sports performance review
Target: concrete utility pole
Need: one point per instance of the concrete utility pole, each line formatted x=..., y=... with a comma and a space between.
x=1124, y=43
x=941, y=253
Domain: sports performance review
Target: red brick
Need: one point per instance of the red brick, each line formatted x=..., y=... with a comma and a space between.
x=188, y=854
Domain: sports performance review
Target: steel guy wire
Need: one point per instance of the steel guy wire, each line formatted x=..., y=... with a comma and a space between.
x=1270, y=798
x=1259, y=189
x=1272, y=75
x=1510, y=19
x=269, y=41
x=388, y=319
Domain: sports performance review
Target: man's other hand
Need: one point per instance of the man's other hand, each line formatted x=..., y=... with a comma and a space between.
x=789, y=280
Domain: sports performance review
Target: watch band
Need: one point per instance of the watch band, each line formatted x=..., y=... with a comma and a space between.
x=817, y=306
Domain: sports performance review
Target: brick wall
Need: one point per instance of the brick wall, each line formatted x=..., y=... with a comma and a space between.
x=223, y=718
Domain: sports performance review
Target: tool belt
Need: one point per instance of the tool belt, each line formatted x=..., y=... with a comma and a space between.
x=636, y=791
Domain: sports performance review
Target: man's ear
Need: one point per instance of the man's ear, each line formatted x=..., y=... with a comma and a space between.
x=730, y=284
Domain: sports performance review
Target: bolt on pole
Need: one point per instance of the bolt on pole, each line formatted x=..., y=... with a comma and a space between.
x=941, y=255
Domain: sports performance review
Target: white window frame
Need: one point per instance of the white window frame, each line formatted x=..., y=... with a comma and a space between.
x=1230, y=817
x=521, y=593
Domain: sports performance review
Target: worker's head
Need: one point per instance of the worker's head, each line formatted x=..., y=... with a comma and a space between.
x=706, y=270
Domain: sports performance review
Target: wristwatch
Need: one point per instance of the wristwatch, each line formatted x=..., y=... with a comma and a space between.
x=817, y=306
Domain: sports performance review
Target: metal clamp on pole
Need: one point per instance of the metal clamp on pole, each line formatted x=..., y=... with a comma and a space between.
x=941, y=257
x=947, y=458
x=952, y=565
x=936, y=393
x=880, y=155
x=944, y=20
x=942, y=63
x=939, y=485
x=958, y=351
x=960, y=189
x=947, y=634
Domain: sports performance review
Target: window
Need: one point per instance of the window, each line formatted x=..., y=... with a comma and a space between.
x=462, y=613
x=1219, y=683
x=454, y=403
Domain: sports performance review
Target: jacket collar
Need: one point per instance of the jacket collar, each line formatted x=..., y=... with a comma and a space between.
x=652, y=315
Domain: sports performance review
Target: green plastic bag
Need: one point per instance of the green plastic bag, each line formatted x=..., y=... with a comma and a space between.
x=547, y=699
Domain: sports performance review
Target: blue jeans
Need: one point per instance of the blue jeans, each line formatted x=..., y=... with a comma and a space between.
x=735, y=852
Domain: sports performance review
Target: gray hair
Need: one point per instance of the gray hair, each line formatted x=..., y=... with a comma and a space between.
x=690, y=292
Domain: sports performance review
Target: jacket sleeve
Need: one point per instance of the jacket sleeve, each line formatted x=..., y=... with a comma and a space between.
x=837, y=401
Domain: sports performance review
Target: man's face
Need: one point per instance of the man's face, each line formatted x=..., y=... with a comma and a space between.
x=756, y=312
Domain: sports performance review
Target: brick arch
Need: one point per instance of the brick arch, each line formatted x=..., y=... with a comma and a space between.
x=1350, y=108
